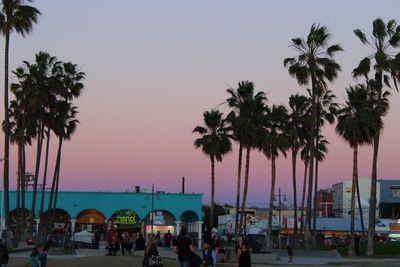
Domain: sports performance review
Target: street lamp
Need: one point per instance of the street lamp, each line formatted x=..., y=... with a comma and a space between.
x=152, y=209
x=279, y=213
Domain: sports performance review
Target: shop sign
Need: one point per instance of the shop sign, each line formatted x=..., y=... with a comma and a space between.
x=125, y=217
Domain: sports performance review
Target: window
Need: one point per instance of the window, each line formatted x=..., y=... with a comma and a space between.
x=395, y=191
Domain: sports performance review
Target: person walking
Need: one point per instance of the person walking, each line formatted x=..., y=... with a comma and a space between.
x=35, y=257
x=244, y=257
x=151, y=256
x=183, y=246
x=357, y=244
x=140, y=243
x=290, y=246
x=209, y=255
x=3, y=254
x=167, y=239
x=43, y=255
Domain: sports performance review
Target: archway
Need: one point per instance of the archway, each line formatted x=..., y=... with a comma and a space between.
x=90, y=220
x=189, y=216
x=59, y=217
x=13, y=215
x=163, y=221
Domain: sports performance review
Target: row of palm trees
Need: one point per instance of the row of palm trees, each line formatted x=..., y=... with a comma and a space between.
x=42, y=107
x=275, y=130
x=19, y=17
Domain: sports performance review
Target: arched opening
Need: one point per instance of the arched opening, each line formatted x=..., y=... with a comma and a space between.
x=60, y=219
x=90, y=220
x=163, y=221
x=126, y=220
x=189, y=216
x=16, y=216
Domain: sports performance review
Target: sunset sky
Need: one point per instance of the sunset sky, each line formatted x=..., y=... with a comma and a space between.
x=153, y=68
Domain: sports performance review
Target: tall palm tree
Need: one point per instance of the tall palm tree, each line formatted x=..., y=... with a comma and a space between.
x=274, y=140
x=326, y=112
x=245, y=119
x=314, y=64
x=65, y=125
x=384, y=41
x=296, y=129
x=215, y=143
x=15, y=16
x=355, y=127
x=305, y=157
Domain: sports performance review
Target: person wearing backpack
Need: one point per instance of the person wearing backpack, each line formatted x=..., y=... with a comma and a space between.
x=183, y=246
x=151, y=256
x=3, y=254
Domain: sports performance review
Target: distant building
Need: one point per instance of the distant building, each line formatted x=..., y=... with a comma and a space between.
x=389, y=205
x=325, y=203
x=342, y=198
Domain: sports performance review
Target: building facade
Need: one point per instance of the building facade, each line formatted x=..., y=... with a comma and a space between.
x=389, y=206
x=341, y=193
x=144, y=212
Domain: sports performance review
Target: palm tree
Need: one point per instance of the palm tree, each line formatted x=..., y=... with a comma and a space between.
x=314, y=64
x=326, y=112
x=65, y=124
x=305, y=157
x=355, y=127
x=245, y=119
x=274, y=140
x=16, y=16
x=296, y=129
x=215, y=143
x=385, y=40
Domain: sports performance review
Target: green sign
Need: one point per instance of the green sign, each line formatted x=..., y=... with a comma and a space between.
x=125, y=217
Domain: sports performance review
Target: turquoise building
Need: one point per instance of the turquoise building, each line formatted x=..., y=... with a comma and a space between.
x=145, y=212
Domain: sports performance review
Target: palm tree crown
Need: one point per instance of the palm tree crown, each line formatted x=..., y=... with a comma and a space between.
x=215, y=137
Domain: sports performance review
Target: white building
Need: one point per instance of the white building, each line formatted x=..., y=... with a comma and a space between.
x=342, y=198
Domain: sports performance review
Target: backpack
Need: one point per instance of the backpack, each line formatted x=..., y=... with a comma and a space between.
x=155, y=261
x=195, y=260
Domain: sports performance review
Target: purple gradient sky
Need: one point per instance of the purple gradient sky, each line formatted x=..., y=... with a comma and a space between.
x=153, y=67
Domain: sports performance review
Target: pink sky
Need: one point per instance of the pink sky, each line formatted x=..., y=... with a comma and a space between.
x=152, y=69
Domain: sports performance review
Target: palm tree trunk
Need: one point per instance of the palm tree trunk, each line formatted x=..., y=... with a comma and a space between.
x=37, y=169
x=46, y=160
x=360, y=208
x=5, y=200
x=23, y=191
x=212, y=191
x=53, y=188
x=314, y=240
x=372, y=199
x=19, y=211
x=271, y=202
x=246, y=186
x=303, y=196
x=307, y=232
x=294, y=156
x=237, y=231
x=353, y=200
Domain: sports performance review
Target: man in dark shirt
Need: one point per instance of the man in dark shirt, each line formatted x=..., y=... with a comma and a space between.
x=184, y=248
x=140, y=243
x=244, y=258
x=3, y=254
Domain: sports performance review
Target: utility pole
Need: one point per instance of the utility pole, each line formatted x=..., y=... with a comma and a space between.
x=152, y=209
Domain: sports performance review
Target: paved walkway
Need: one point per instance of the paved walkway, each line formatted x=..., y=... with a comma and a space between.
x=275, y=257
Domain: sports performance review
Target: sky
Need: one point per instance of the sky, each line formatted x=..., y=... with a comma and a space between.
x=153, y=67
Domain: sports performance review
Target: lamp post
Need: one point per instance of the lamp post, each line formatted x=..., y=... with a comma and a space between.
x=279, y=213
x=152, y=209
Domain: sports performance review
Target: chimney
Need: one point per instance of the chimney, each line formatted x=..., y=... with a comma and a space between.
x=183, y=185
